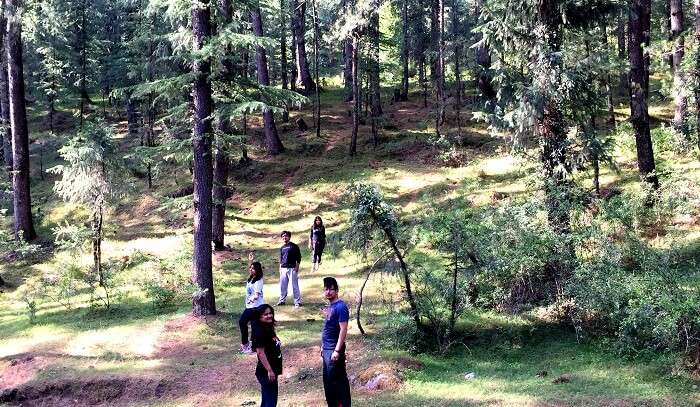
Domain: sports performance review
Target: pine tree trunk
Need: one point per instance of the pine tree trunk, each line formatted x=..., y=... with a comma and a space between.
x=606, y=77
x=422, y=79
x=439, y=65
x=355, y=57
x=283, y=45
x=4, y=98
x=404, y=51
x=317, y=102
x=203, y=302
x=622, y=54
x=22, y=203
x=639, y=76
x=374, y=92
x=299, y=26
x=293, y=49
x=82, y=35
x=679, y=95
x=697, y=73
x=272, y=139
x=220, y=186
x=347, y=60
x=458, y=69
x=668, y=25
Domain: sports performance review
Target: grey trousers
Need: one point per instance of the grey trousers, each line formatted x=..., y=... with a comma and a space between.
x=285, y=274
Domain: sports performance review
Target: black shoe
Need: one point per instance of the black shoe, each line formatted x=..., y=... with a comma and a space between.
x=280, y=302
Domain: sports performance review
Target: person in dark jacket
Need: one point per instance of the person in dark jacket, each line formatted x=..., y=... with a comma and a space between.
x=268, y=348
x=317, y=242
x=290, y=257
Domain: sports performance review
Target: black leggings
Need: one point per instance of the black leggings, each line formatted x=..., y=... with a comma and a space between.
x=246, y=316
x=317, y=252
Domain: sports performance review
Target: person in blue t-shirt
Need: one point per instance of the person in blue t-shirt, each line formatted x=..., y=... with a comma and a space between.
x=335, y=329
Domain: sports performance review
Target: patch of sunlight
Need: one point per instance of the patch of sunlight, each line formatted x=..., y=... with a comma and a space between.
x=37, y=338
x=500, y=165
x=158, y=246
x=110, y=364
x=134, y=340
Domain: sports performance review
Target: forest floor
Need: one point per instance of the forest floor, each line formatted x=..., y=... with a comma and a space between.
x=136, y=354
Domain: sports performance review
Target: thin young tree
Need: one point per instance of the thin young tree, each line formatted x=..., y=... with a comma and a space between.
x=21, y=198
x=203, y=302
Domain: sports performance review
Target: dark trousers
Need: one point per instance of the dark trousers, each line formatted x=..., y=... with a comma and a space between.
x=268, y=390
x=335, y=380
x=318, y=252
x=247, y=316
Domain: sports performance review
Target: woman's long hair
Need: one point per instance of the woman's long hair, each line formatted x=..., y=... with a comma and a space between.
x=313, y=225
x=258, y=272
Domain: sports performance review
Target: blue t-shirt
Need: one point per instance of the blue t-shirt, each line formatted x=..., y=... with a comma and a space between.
x=337, y=312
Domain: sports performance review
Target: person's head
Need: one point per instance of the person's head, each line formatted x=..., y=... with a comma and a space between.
x=265, y=314
x=255, y=271
x=318, y=222
x=330, y=288
x=286, y=235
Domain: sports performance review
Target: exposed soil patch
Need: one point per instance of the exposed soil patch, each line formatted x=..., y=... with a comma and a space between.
x=384, y=375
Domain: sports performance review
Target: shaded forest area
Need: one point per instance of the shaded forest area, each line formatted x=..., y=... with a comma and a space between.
x=504, y=177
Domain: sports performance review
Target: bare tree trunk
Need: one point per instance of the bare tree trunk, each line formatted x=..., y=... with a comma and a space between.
x=422, y=79
x=4, y=97
x=347, y=59
x=355, y=92
x=298, y=25
x=283, y=44
x=606, y=76
x=679, y=91
x=22, y=203
x=667, y=55
x=374, y=91
x=220, y=188
x=317, y=104
x=272, y=139
x=458, y=73
x=84, y=96
x=203, y=302
x=622, y=54
x=293, y=48
x=404, y=50
x=697, y=72
x=440, y=65
x=639, y=77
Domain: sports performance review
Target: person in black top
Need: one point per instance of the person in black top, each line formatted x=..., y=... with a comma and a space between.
x=317, y=242
x=267, y=346
x=290, y=257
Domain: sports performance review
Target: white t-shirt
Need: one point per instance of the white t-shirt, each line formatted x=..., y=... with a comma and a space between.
x=253, y=290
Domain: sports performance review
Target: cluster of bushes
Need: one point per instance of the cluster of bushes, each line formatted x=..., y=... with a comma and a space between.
x=629, y=275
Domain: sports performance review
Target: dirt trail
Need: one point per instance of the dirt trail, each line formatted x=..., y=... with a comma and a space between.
x=188, y=372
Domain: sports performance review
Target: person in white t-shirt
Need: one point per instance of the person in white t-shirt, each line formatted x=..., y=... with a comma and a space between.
x=253, y=299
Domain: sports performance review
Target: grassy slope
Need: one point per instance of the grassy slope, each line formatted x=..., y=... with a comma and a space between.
x=271, y=195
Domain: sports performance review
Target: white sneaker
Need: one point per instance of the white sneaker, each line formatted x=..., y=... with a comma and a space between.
x=246, y=349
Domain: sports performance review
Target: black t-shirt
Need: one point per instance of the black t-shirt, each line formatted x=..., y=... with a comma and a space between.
x=318, y=236
x=262, y=338
x=290, y=255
